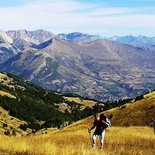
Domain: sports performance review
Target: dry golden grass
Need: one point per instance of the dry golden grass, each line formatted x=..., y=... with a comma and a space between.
x=6, y=80
x=11, y=122
x=2, y=76
x=3, y=93
x=138, y=113
x=88, y=103
x=74, y=140
x=150, y=95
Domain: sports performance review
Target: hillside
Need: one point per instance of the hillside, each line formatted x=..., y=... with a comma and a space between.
x=81, y=101
x=9, y=125
x=100, y=69
x=135, y=113
x=28, y=102
x=39, y=108
x=74, y=139
x=45, y=109
x=138, y=113
x=80, y=63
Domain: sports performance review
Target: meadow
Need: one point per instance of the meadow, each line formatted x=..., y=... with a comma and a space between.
x=129, y=135
x=74, y=140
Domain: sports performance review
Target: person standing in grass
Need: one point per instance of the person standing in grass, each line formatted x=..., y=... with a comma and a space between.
x=100, y=126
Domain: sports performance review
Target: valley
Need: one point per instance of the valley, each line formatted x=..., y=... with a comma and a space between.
x=77, y=77
x=78, y=63
x=128, y=135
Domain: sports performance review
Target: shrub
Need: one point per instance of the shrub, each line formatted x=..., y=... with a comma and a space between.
x=23, y=126
x=139, y=97
x=5, y=125
x=7, y=133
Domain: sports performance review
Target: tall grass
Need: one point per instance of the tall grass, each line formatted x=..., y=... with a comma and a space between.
x=75, y=141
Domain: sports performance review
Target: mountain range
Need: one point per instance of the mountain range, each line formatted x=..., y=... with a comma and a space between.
x=80, y=63
x=138, y=41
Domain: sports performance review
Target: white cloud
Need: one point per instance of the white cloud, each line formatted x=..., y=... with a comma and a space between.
x=71, y=15
x=111, y=11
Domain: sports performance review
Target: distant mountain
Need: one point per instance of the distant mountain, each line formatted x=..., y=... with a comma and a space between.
x=35, y=37
x=24, y=39
x=78, y=37
x=7, y=49
x=100, y=69
x=5, y=38
x=15, y=41
x=80, y=63
x=139, y=41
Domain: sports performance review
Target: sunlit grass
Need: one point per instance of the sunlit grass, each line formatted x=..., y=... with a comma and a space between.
x=88, y=103
x=75, y=141
x=3, y=93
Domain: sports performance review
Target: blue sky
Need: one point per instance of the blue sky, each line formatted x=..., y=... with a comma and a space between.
x=110, y=3
x=102, y=17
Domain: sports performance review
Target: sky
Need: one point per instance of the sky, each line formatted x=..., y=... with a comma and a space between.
x=99, y=17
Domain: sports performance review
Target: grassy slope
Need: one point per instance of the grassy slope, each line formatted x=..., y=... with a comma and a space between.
x=25, y=101
x=36, y=106
x=139, y=113
x=9, y=123
x=74, y=139
x=88, y=103
x=4, y=93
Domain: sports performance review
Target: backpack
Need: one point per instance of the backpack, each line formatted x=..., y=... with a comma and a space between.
x=108, y=122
